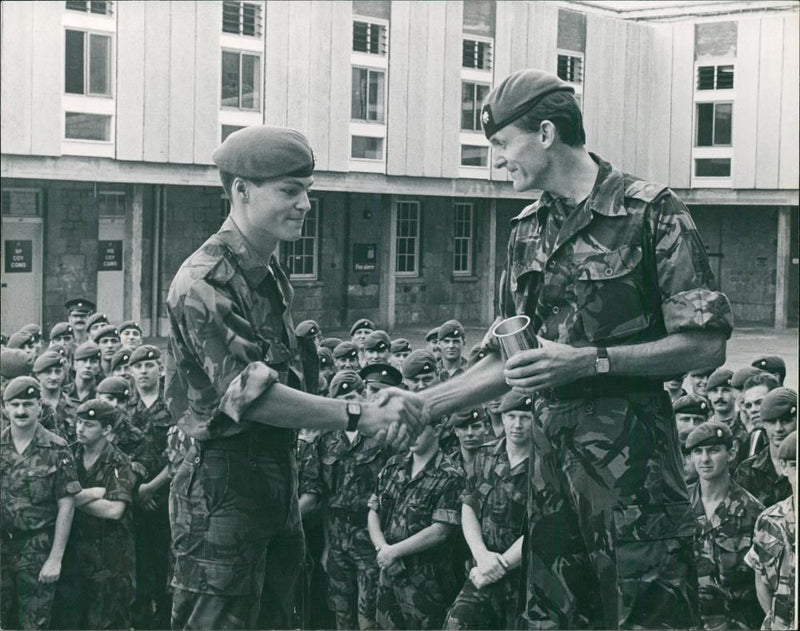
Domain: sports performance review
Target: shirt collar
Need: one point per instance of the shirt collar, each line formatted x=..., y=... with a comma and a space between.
x=254, y=268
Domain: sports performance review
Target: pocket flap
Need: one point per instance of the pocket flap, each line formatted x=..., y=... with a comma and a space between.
x=213, y=577
x=611, y=264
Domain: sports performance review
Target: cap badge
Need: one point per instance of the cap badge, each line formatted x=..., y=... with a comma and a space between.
x=485, y=117
x=719, y=433
x=90, y=413
x=30, y=390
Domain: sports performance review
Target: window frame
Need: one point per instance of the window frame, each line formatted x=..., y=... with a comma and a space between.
x=468, y=239
x=289, y=246
x=36, y=192
x=713, y=144
x=478, y=40
x=384, y=24
x=476, y=113
x=258, y=23
x=572, y=55
x=368, y=69
x=88, y=8
x=88, y=33
x=107, y=141
x=716, y=65
x=415, y=239
x=259, y=96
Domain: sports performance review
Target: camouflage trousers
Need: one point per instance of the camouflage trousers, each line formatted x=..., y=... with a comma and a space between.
x=491, y=607
x=609, y=542
x=25, y=603
x=412, y=596
x=237, y=539
x=151, y=609
x=352, y=575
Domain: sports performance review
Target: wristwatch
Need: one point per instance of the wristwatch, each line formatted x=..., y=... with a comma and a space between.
x=601, y=365
x=353, y=415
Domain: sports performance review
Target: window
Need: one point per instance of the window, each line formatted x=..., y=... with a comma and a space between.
x=242, y=18
x=227, y=130
x=87, y=63
x=368, y=102
x=476, y=54
x=474, y=156
x=79, y=126
x=102, y=8
x=472, y=96
x=712, y=167
x=714, y=124
x=570, y=68
x=301, y=255
x=369, y=38
x=715, y=77
x=241, y=80
x=462, y=239
x=407, y=238
x=366, y=148
x=21, y=201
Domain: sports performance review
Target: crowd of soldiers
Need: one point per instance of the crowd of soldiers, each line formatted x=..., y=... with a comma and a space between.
x=423, y=539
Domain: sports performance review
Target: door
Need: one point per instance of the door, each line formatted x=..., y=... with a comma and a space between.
x=21, y=272
x=110, y=270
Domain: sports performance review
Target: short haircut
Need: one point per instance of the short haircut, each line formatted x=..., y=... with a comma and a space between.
x=227, y=182
x=560, y=108
x=761, y=379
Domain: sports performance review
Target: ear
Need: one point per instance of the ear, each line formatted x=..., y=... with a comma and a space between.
x=547, y=133
x=239, y=188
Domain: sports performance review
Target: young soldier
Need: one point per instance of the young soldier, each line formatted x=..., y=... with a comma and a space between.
x=471, y=428
x=130, y=334
x=78, y=310
x=413, y=514
x=58, y=412
x=772, y=364
x=62, y=336
x=674, y=387
x=726, y=514
x=86, y=362
x=107, y=338
x=13, y=363
x=451, y=345
x=400, y=349
x=24, y=341
x=690, y=411
x=774, y=551
x=698, y=381
x=723, y=403
x=97, y=587
x=94, y=323
x=35, y=331
x=432, y=338
x=377, y=348
x=37, y=483
x=420, y=370
x=492, y=518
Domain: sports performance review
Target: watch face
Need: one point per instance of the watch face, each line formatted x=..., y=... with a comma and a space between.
x=353, y=408
x=602, y=365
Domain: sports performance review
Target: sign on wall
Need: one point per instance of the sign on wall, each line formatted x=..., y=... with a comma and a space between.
x=109, y=255
x=19, y=256
x=364, y=257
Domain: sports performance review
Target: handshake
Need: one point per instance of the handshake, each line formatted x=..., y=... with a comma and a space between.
x=396, y=417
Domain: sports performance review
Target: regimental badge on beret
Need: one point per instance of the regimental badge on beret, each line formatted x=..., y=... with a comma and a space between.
x=23, y=387
x=419, y=362
x=129, y=324
x=307, y=327
x=778, y=403
x=709, y=433
x=451, y=328
x=466, y=417
x=384, y=374
x=143, y=353
x=363, y=323
x=47, y=360
x=486, y=116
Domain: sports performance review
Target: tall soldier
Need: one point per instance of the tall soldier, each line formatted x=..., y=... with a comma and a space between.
x=234, y=382
x=78, y=310
x=616, y=281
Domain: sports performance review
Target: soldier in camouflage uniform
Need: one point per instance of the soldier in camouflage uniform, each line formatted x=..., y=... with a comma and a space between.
x=37, y=483
x=725, y=514
x=58, y=412
x=492, y=517
x=413, y=514
x=233, y=375
x=86, y=362
x=614, y=276
x=723, y=402
x=774, y=550
x=451, y=345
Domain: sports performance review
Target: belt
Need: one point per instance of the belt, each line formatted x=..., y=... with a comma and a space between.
x=262, y=439
x=599, y=387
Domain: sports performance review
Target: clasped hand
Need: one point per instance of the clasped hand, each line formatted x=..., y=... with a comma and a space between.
x=551, y=365
x=399, y=418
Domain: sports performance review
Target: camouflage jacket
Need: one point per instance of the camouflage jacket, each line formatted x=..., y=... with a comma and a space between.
x=71, y=392
x=156, y=420
x=309, y=472
x=228, y=309
x=758, y=476
x=498, y=494
x=34, y=481
x=178, y=444
x=60, y=419
x=773, y=557
x=444, y=375
x=138, y=446
x=588, y=274
x=727, y=589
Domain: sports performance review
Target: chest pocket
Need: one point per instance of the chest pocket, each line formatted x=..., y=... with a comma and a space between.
x=40, y=482
x=608, y=293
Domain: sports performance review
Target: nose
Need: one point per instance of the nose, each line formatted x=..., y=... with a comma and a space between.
x=499, y=160
x=304, y=203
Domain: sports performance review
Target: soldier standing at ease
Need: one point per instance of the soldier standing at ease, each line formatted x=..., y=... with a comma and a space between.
x=723, y=403
x=471, y=428
x=86, y=362
x=451, y=344
x=58, y=412
x=38, y=482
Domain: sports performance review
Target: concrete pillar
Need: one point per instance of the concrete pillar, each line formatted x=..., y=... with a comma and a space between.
x=487, y=315
x=388, y=291
x=782, y=265
x=133, y=309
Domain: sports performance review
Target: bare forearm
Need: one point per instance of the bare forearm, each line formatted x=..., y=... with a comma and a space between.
x=282, y=406
x=425, y=539
x=309, y=503
x=66, y=509
x=375, y=530
x=481, y=383
x=472, y=531
x=157, y=482
x=677, y=353
x=513, y=555
x=104, y=509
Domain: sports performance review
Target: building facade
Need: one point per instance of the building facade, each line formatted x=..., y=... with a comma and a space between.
x=110, y=112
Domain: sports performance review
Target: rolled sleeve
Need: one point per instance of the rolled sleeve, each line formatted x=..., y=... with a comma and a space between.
x=448, y=506
x=66, y=481
x=373, y=503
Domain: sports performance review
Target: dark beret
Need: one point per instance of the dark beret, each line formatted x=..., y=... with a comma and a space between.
x=476, y=353
x=34, y=330
x=345, y=382
x=377, y=341
x=345, y=349
x=788, y=448
x=120, y=358
x=771, y=363
x=96, y=410
x=15, y=363
x=86, y=350
x=419, y=362
x=701, y=372
x=515, y=401
x=709, y=433
x=517, y=95
x=263, y=151
x=80, y=304
x=465, y=417
x=146, y=351
x=129, y=324
x=306, y=327
x=61, y=328
x=721, y=377
x=384, y=374
x=96, y=318
x=432, y=335
x=109, y=330
x=330, y=343
x=777, y=403
x=118, y=386
x=20, y=339
x=363, y=323
x=22, y=388
x=325, y=357
x=48, y=360
x=742, y=375
x=401, y=345
x=451, y=328
x=690, y=404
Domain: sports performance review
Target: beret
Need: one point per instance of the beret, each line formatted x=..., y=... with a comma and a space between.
x=330, y=343
x=515, y=401
x=517, y=95
x=35, y=331
x=701, y=372
x=451, y=328
x=742, y=375
x=61, y=328
x=20, y=339
x=263, y=151
x=14, y=363
x=419, y=362
x=96, y=318
x=96, y=410
x=118, y=386
x=363, y=323
x=86, y=350
x=146, y=351
x=384, y=374
x=709, y=433
x=79, y=304
x=129, y=324
x=108, y=330
x=778, y=402
x=345, y=349
x=690, y=404
x=47, y=360
x=23, y=387
x=120, y=358
x=476, y=353
x=325, y=357
x=345, y=382
x=432, y=335
x=306, y=327
x=377, y=341
x=465, y=417
x=770, y=363
x=721, y=377
x=788, y=448
x=401, y=345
